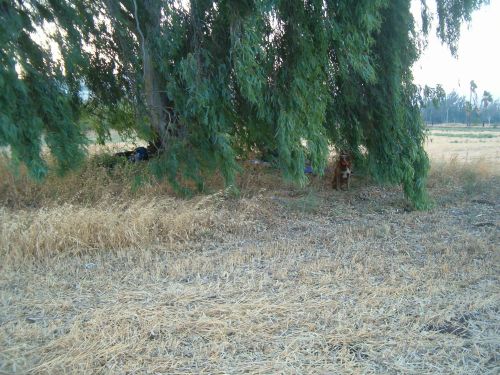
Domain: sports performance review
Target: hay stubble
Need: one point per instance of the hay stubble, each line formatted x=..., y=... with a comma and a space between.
x=255, y=284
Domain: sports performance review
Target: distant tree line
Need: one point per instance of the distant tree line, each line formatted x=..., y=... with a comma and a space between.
x=439, y=107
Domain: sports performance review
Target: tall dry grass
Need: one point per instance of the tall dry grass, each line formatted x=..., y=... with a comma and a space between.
x=142, y=223
x=102, y=178
x=456, y=180
x=97, y=180
x=98, y=207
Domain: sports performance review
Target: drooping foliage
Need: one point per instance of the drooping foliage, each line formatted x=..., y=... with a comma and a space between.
x=37, y=100
x=209, y=81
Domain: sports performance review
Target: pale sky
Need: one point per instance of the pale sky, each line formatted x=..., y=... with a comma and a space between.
x=478, y=55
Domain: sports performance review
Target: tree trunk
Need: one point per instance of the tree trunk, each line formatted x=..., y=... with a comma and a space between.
x=155, y=105
x=155, y=101
x=145, y=24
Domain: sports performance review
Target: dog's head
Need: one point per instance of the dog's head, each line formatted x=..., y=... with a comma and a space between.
x=344, y=160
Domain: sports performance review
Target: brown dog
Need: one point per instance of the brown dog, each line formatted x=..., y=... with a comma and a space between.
x=343, y=172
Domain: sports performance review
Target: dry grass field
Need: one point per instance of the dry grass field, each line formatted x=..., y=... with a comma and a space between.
x=466, y=144
x=97, y=277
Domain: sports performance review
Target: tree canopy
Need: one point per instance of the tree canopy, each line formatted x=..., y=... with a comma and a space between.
x=209, y=81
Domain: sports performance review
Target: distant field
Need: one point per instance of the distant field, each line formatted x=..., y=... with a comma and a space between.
x=464, y=127
x=446, y=142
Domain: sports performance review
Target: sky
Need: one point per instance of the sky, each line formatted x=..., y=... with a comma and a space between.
x=478, y=55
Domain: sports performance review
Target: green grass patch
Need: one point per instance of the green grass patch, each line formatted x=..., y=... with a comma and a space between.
x=463, y=135
x=464, y=129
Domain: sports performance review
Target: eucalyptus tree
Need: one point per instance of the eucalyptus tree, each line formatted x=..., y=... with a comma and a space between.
x=486, y=100
x=455, y=105
x=209, y=81
x=471, y=105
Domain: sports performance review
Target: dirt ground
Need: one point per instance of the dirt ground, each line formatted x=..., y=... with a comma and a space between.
x=278, y=280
